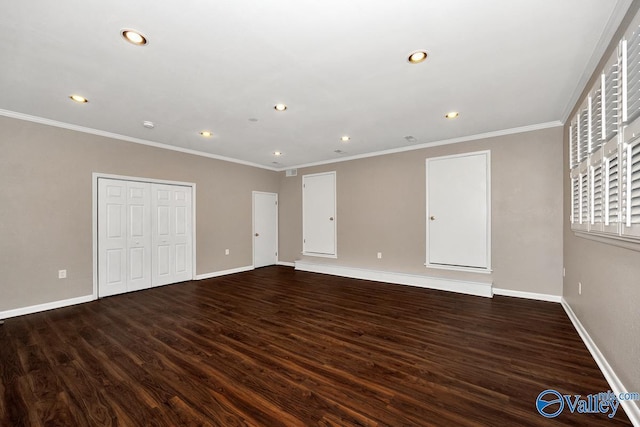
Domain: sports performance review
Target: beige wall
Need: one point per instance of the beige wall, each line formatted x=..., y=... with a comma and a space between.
x=46, y=208
x=381, y=208
x=610, y=276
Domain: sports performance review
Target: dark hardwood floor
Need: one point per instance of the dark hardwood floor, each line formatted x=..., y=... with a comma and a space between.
x=277, y=347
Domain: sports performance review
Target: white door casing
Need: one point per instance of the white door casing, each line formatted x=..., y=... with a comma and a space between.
x=319, y=221
x=265, y=229
x=458, y=211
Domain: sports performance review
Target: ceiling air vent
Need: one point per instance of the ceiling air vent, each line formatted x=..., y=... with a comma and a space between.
x=292, y=172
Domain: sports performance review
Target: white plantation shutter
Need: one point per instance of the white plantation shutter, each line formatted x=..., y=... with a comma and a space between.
x=604, y=150
x=612, y=201
x=575, y=201
x=611, y=105
x=583, y=134
x=631, y=77
x=632, y=189
x=596, y=197
x=573, y=144
x=584, y=198
x=597, y=137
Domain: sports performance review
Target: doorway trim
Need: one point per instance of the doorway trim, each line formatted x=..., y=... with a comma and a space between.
x=488, y=268
x=94, y=215
x=253, y=225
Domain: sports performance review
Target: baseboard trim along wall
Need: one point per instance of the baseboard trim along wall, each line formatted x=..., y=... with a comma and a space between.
x=631, y=409
x=44, y=307
x=527, y=295
x=224, y=272
x=464, y=287
x=286, y=264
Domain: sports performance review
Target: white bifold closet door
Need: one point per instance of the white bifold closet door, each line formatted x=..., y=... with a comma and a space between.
x=144, y=235
x=171, y=219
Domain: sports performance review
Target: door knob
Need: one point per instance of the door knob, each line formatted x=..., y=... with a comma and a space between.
x=257, y=234
x=331, y=219
x=433, y=218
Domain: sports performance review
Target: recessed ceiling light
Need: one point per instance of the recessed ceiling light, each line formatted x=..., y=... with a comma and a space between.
x=79, y=99
x=345, y=138
x=134, y=37
x=280, y=107
x=417, y=57
x=277, y=153
x=452, y=115
x=148, y=124
x=206, y=133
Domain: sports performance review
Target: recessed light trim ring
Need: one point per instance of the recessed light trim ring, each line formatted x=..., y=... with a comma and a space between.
x=134, y=37
x=78, y=98
x=417, y=56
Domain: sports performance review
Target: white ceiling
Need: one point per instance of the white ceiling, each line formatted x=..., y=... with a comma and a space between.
x=340, y=66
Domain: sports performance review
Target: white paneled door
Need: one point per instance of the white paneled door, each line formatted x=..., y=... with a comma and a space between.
x=171, y=221
x=265, y=229
x=319, y=214
x=138, y=236
x=458, y=211
x=112, y=237
x=144, y=235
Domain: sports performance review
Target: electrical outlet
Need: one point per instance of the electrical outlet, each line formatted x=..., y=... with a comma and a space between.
x=62, y=274
x=379, y=255
x=226, y=251
x=579, y=288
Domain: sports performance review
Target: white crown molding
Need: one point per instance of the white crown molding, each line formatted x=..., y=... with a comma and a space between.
x=618, y=14
x=632, y=410
x=475, y=137
x=44, y=307
x=77, y=128
x=460, y=286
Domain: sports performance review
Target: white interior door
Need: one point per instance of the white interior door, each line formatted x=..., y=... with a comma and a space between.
x=319, y=214
x=265, y=229
x=458, y=211
x=112, y=237
x=138, y=236
x=172, y=233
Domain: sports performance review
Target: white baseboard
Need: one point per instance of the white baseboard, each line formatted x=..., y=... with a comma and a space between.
x=465, y=287
x=286, y=264
x=44, y=307
x=632, y=410
x=527, y=295
x=223, y=272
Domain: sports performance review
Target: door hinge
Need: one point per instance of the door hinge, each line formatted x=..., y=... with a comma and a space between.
x=276, y=253
x=276, y=203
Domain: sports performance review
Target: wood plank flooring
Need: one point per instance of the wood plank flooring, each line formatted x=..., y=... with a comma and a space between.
x=278, y=347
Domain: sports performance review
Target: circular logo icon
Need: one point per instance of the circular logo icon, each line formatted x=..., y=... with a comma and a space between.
x=550, y=403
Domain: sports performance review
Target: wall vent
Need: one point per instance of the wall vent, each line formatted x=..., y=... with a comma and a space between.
x=292, y=172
